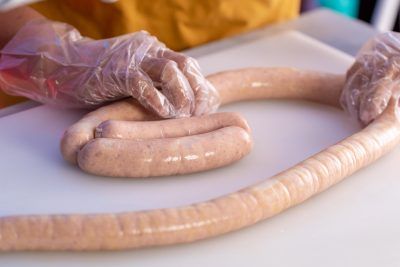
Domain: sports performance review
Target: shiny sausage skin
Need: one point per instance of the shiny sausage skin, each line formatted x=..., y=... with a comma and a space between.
x=169, y=128
x=221, y=215
x=80, y=133
x=277, y=83
x=161, y=157
x=224, y=214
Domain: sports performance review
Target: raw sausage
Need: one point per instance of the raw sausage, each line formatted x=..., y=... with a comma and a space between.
x=278, y=83
x=127, y=230
x=160, y=157
x=83, y=131
x=166, y=147
x=236, y=85
x=169, y=128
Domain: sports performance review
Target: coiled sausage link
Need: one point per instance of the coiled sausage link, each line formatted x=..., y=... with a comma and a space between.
x=157, y=148
x=169, y=128
x=160, y=157
x=118, y=121
x=128, y=230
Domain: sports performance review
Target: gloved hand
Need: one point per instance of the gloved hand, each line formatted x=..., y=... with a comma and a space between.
x=52, y=63
x=373, y=78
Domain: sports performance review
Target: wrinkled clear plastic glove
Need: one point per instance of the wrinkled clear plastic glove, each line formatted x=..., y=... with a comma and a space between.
x=373, y=78
x=51, y=62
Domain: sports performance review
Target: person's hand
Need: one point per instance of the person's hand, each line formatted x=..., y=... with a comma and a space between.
x=52, y=63
x=373, y=78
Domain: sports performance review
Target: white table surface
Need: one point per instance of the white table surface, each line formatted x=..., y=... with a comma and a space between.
x=354, y=223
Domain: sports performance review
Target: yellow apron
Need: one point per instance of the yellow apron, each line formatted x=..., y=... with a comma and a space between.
x=179, y=24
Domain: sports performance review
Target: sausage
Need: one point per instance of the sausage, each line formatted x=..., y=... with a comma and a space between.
x=129, y=230
x=232, y=86
x=83, y=131
x=169, y=128
x=278, y=83
x=169, y=156
x=131, y=158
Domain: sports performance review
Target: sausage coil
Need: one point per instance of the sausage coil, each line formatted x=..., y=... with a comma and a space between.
x=128, y=230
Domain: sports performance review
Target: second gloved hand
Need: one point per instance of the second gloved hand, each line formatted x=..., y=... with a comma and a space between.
x=52, y=63
x=373, y=78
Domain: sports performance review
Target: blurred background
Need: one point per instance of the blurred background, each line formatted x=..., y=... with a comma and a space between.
x=381, y=14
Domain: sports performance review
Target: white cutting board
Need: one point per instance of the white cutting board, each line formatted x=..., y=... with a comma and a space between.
x=356, y=223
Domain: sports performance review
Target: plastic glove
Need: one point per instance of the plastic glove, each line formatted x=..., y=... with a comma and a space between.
x=373, y=78
x=52, y=63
